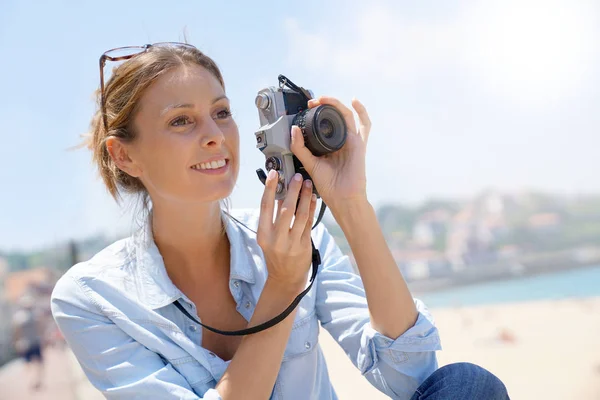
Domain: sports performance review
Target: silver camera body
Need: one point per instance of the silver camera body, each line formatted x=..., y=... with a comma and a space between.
x=279, y=108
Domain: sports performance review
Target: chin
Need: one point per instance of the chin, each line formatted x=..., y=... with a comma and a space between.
x=215, y=193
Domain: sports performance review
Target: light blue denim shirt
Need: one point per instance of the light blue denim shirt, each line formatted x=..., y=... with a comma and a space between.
x=117, y=314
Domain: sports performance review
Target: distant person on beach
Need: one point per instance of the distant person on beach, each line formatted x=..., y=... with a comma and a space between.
x=28, y=338
x=179, y=309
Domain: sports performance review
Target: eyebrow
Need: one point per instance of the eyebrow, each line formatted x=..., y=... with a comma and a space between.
x=188, y=105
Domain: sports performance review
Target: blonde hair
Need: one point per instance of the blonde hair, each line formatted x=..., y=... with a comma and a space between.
x=122, y=94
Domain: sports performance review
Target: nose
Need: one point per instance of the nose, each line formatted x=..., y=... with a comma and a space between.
x=212, y=135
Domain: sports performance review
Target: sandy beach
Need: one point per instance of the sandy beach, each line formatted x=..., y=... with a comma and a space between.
x=542, y=350
x=546, y=350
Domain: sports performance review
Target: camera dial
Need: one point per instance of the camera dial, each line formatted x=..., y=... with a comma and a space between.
x=273, y=163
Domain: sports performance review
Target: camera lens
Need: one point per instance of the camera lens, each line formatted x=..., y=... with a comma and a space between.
x=323, y=128
x=326, y=128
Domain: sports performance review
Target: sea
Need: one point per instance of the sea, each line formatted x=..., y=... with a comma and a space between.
x=575, y=283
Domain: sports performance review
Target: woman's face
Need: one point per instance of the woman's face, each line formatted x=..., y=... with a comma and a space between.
x=187, y=144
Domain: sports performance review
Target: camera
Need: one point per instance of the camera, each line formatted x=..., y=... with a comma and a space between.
x=279, y=108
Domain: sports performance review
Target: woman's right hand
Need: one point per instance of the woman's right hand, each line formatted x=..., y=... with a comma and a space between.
x=286, y=246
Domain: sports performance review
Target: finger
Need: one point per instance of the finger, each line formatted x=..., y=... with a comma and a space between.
x=302, y=210
x=286, y=213
x=278, y=210
x=310, y=219
x=313, y=103
x=265, y=222
x=298, y=147
x=345, y=111
x=363, y=119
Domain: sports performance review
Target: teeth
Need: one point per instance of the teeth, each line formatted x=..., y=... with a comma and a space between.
x=210, y=165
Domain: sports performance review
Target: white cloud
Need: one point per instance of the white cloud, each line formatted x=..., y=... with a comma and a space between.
x=481, y=95
x=526, y=50
x=533, y=51
x=382, y=43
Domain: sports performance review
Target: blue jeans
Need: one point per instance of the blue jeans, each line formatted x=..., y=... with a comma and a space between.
x=461, y=381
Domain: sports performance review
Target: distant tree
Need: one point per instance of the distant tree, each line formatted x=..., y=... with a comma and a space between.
x=436, y=204
x=73, y=253
x=17, y=261
x=394, y=218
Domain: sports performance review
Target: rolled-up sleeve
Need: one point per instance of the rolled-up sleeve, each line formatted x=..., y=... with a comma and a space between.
x=394, y=366
x=117, y=365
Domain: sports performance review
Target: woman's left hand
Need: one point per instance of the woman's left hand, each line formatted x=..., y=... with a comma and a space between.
x=340, y=176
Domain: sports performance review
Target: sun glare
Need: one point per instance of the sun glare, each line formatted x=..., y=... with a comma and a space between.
x=535, y=50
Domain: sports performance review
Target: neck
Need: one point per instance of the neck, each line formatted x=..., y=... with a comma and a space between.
x=191, y=241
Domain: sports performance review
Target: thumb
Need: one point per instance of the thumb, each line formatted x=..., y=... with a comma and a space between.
x=300, y=150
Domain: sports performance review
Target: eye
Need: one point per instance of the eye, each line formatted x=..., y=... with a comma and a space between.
x=224, y=114
x=180, y=121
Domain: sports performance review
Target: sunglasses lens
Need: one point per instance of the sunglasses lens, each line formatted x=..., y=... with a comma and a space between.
x=124, y=52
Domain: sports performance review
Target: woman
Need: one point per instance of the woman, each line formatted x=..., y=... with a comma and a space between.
x=164, y=130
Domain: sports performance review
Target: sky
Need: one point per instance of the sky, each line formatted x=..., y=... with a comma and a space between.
x=463, y=95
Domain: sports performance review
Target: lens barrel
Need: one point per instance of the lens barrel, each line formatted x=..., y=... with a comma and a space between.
x=323, y=128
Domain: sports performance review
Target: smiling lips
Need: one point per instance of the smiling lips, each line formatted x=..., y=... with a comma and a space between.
x=214, y=166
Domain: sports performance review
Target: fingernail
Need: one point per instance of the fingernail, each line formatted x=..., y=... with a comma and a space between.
x=314, y=197
x=298, y=177
x=272, y=174
x=308, y=183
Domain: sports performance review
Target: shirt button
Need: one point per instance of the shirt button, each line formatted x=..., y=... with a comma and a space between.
x=307, y=345
x=211, y=354
x=248, y=305
x=193, y=328
x=236, y=284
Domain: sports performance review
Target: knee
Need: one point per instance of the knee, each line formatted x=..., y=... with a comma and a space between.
x=476, y=382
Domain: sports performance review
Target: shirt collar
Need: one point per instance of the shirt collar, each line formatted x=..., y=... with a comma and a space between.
x=155, y=288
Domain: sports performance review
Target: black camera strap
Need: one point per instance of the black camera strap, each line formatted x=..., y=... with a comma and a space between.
x=283, y=81
x=316, y=261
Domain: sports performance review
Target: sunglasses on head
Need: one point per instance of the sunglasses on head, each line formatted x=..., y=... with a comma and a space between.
x=126, y=53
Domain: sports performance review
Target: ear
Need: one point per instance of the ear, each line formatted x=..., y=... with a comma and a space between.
x=120, y=153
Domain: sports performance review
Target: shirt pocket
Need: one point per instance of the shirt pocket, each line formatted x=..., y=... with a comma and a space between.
x=199, y=378
x=303, y=338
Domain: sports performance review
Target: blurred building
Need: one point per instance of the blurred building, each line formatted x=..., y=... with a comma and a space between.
x=35, y=282
x=430, y=228
x=475, y=229
x=545, y=223
x=5, y=315
x=419, y=264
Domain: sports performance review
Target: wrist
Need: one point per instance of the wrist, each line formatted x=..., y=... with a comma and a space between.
x=346, y=211
x=334, y=201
